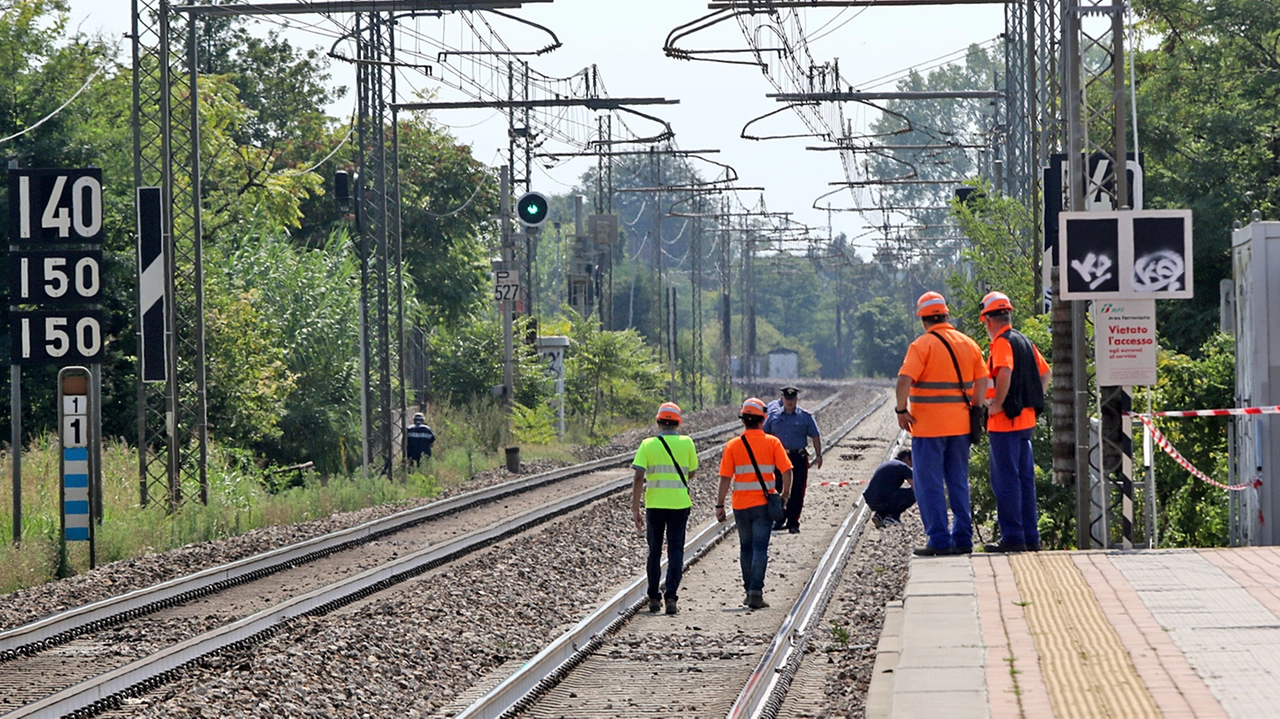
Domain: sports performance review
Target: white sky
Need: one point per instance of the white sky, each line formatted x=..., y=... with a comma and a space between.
x=625, y=42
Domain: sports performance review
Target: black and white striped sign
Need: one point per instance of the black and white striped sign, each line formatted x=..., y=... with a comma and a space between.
x=152, y=280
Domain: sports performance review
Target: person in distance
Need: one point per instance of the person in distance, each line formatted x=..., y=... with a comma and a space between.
x=747, y=460
x=941, y=377
x=886, y=494
x=1015, y=400
x=794, y=426
x=420, y=439
x=664, y=466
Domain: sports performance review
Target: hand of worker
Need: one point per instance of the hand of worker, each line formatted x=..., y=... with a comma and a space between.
x=905, y=420
x=817, y=462
x=637, y=518
x=720, y=514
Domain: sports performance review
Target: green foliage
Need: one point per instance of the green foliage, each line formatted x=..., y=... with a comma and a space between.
x=1210, y=128
x=882, y=331
x=533, y=425
x=997, y=256
x=610, y=374
x=1193, y=513
x=310, y=298
x=466, y=362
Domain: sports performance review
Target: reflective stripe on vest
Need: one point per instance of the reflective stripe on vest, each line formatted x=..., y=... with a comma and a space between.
x=663, y=488
x=940, y=384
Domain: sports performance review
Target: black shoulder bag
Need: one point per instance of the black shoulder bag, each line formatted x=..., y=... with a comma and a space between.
x=679, y=471
x=773, y=501
x=977, y=415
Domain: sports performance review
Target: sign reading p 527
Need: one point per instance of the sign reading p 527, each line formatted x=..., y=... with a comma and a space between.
x=55, y=206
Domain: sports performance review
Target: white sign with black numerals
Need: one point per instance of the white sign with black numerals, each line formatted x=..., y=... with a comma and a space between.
x=61, y=206
x=506, y=285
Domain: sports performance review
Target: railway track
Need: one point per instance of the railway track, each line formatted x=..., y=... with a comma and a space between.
x=88, y=659
x=605, y=666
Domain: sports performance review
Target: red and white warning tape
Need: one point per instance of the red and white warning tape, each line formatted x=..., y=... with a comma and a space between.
x=1211, y=412
x=1169, y=449
x=846, y=483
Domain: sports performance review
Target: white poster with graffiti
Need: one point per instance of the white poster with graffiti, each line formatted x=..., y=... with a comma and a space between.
x=1130, y=254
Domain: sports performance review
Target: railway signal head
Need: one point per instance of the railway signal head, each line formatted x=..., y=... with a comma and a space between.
x=532, y=209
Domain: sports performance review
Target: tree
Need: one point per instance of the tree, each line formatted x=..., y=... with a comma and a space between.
x=996, y=254
x=1210, y=131
x=610, y=373
x=883, y=330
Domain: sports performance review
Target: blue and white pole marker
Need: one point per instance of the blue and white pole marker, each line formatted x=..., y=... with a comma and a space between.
x=73, y=395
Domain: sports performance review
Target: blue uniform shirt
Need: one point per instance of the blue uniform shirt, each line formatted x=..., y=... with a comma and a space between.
x=793, y=429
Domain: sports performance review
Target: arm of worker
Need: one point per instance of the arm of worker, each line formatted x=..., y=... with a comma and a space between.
x=902, y=391
x=817, y=449
x=980, y=391
x=1004, y=377
x=721, y=492
x=637, y=490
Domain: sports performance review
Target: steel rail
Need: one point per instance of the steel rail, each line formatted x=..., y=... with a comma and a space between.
x=65, y=626
x=102, y=692
x=764, y=692
x=96, y=694
x=541, y=673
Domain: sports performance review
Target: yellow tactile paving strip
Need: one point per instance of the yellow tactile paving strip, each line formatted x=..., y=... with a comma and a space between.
x=1083, y=662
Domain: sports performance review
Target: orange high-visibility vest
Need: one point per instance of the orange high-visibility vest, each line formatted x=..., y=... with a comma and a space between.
x=936, y=402
x=735, y=462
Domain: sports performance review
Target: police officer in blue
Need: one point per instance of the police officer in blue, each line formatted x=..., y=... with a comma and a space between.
x=420, y=439
x=794, y=427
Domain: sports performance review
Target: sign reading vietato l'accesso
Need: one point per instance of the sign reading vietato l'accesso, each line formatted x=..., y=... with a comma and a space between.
x=1125, y=255
x=1125, y=341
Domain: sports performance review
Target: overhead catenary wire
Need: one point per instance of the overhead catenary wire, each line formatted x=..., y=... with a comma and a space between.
x=53, y=114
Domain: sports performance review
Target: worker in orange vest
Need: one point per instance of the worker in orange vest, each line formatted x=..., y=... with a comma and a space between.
x=749, y=464
x=1019, y=378
x=941, y=376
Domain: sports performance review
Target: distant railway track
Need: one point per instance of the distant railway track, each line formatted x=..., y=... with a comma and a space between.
x=763, y=692
x=85, y=660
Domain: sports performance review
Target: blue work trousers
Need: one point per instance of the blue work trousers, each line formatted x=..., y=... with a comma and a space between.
x=941, y=468
x=671, y=522
x=754, y=528
x=1013, y=481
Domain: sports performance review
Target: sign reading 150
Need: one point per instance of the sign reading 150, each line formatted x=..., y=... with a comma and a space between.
x=56, y=337
x=56, y=206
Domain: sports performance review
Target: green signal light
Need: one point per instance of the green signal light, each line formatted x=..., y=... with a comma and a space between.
x=532, y=209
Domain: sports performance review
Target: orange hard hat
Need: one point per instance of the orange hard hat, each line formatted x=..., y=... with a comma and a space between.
x=931, y=303
x=753, y=407
x=993, y=301
x=669, y=412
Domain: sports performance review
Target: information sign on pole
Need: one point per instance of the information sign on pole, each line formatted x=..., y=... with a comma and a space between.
x=56, y=337
x=153, y=278
x=74, y=415
x=1125, y=341
x=506, y=285
x=603, y=230
x=55, y=278
x=1126, y=255
x=55, y=206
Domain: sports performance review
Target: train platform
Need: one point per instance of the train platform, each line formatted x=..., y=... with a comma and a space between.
x=1163, y=633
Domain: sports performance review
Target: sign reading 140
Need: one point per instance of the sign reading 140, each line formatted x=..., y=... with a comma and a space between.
x=55, y=206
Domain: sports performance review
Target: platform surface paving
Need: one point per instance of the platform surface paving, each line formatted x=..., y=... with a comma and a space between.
x=1165, y=633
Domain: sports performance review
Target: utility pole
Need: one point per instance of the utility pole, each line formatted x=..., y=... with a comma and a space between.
x=508, y=253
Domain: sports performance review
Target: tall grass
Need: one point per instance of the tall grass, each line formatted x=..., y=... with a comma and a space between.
x=238, y=499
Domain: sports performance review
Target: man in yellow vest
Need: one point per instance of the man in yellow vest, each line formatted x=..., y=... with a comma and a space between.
x=942, y=376
x=664, y=466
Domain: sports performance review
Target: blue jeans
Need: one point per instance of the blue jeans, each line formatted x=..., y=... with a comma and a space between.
x=754, y=528
x=673, y=522
x=1013, y=481
x=941, y=468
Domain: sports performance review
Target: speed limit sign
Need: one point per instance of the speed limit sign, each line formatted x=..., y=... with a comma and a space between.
x=56, y=337
x=61, y=206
